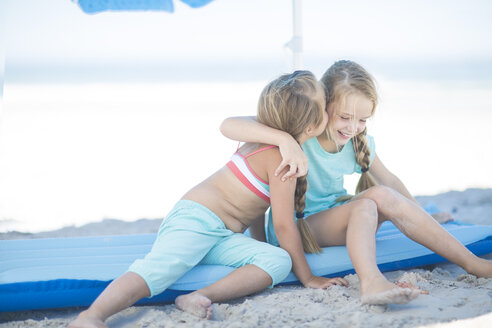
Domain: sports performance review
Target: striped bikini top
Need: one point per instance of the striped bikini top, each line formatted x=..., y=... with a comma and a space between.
x=241, y=169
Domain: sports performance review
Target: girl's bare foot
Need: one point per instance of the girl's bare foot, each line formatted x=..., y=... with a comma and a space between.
x=195, y=304
x=84, y=320
x=381, y=291
x=481, y=268
x=395, y=295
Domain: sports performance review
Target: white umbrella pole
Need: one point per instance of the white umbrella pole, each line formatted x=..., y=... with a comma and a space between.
x=296, y=42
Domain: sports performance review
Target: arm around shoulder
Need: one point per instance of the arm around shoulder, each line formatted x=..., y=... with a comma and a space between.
x=248, y=129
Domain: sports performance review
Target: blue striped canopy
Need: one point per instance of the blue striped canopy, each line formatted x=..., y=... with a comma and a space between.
x=96, y=6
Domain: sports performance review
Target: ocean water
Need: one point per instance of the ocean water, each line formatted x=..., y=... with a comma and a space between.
x=77, y=153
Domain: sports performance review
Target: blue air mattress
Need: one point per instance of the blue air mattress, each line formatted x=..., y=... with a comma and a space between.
x=67, y=272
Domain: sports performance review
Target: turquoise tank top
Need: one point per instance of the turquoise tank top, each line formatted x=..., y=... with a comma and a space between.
x=325, y=177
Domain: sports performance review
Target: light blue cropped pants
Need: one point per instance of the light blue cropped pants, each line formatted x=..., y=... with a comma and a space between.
x=191, y=234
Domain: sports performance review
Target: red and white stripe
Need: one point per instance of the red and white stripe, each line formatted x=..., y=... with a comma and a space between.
x=239, y=167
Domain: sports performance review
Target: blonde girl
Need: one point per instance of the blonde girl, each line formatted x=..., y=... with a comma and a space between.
x=333, y=217
x=206, y=226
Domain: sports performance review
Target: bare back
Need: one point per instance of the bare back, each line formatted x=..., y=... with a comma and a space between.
x=225, y=195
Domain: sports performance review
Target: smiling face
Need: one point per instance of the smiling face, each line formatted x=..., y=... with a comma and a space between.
x=348, y=118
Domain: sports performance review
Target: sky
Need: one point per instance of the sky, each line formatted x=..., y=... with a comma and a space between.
x=233, y=34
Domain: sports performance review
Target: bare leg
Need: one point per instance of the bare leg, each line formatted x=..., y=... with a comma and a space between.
x=415, y=223
x=355, y=224
x=243, y=281
x=120, y=294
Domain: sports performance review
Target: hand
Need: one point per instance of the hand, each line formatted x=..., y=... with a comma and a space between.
x=442, y=217
x=324, y=283
x=294, y=157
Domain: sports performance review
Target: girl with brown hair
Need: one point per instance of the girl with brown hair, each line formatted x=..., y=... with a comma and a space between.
x=206, y=226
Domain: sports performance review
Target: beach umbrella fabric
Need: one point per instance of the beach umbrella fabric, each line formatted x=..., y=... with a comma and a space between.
x=96, y=6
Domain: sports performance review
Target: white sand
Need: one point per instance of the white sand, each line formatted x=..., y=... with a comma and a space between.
x=455, y=299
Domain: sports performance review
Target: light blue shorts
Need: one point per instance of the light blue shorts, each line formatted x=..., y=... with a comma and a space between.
x=191, y=234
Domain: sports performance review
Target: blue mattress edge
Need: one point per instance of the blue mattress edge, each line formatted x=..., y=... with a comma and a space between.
x=40, y=295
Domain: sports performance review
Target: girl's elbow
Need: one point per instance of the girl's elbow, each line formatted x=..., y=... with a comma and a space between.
x=223, y=127
x=227, y=128
x=283, y=229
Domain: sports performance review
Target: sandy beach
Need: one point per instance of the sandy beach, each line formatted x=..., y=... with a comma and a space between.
x=455, y=299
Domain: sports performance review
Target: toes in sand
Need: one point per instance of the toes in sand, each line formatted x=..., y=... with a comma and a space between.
x=392, y=296
x=195, y=304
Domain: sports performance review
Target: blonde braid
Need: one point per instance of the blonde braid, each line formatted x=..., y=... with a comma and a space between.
x=309, y=243
x=363, y=158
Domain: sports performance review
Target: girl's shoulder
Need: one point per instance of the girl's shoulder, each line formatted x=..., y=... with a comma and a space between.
x=266, y=154
x=262, y=159
x=254, y=149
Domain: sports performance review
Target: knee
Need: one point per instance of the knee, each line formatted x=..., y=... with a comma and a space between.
x=277, y=263
x=365, y=206
x=365, y=212
x=382, y=195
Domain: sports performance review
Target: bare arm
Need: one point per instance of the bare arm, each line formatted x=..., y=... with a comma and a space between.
x=288, y=236
x=282, y=205
x=247, y=129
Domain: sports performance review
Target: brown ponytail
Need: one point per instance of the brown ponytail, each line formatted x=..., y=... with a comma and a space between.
x=308, y=241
